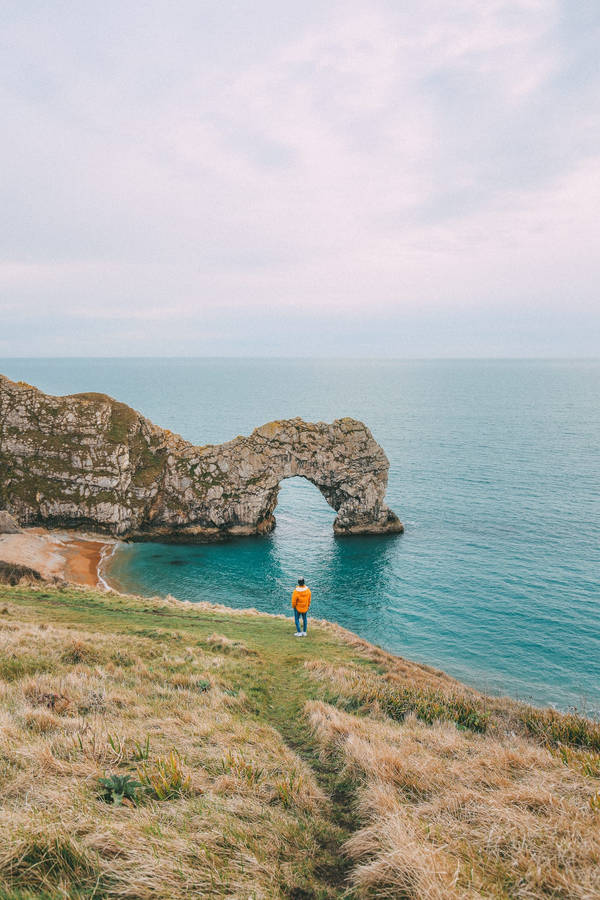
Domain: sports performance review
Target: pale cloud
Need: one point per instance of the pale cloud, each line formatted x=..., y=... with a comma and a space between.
x=214, y=168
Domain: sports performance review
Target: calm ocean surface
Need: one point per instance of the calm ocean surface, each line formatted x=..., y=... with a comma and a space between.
x=495, y=471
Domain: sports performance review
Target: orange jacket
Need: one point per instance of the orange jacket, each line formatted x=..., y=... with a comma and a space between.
x=301, y=599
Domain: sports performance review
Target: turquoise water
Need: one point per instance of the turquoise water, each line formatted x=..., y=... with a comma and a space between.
x=495, y=470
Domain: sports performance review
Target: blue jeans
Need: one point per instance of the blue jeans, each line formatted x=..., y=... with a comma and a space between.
x=297, y=617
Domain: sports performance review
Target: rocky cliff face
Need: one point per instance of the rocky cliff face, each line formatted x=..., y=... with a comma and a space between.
x=88, y=461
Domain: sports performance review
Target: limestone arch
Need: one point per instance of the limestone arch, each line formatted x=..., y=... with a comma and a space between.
x=342, y=460
x=88, y=461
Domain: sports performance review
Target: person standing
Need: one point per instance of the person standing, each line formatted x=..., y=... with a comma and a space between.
x=301, y=602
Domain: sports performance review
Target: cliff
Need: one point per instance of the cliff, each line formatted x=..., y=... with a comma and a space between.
x=88, y=461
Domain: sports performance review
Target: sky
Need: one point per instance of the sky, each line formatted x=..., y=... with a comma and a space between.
x=277, y=178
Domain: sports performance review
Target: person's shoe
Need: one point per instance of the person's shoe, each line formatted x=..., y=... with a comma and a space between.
x=298, y=634
x=303, y=634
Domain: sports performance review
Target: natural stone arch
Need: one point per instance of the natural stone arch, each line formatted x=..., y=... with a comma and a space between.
x=88, y=461
x=342, y=460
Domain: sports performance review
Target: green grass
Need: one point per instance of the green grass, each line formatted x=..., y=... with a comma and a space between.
x=265, y=665
x=13, y=667
x=113, y=686
x=556, y=729
x=47, y=860
x=428, y=705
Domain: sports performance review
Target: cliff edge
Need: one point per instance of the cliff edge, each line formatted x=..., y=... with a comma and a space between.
x=156, y=749
x=88, y=461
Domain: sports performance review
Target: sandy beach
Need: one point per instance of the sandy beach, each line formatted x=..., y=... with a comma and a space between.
x=64, y=555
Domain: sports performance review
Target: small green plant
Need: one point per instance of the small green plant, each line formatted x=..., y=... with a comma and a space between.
x=117, y=746
x=116, y=788
x=126, y=748
x=166, y=778
x=142, y=751
x=287, y=788
x=235, y=764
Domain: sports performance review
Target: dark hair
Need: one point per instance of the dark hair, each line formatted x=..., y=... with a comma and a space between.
x=301, y=581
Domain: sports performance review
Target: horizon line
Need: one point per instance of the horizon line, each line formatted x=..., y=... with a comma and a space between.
x=322, y=358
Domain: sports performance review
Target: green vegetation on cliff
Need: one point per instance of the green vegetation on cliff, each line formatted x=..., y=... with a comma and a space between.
x=151, y=749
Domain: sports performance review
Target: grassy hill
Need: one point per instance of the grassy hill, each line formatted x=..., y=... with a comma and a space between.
x=265, y=766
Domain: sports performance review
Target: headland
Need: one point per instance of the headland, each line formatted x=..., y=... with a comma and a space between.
x=91, y=463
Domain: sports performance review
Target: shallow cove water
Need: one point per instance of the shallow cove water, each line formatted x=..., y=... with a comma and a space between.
x=495, y=471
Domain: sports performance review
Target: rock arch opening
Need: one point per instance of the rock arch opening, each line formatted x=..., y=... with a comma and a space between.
x=302, y=509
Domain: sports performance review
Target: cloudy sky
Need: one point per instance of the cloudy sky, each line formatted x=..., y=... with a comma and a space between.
x=272, y=177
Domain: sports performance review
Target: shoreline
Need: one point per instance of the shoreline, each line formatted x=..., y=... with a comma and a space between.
x=71, y=556
x=106, y=554
x=81, y=559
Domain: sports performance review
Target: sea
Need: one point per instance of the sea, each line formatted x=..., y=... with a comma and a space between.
x=494, y=470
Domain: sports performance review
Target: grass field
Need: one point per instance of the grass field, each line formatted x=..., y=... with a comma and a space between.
x=265, y=766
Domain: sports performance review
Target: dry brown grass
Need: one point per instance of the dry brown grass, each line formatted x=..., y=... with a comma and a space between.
x=395, y=667
x=87, y=705
x=227, y=645
x=452, y=814
x=204, y=705
x=401, y=687
x=395, y=696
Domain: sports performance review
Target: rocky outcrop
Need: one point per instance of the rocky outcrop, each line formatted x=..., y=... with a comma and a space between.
x=13, y=574
x=7, y=523
x=88, y=461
